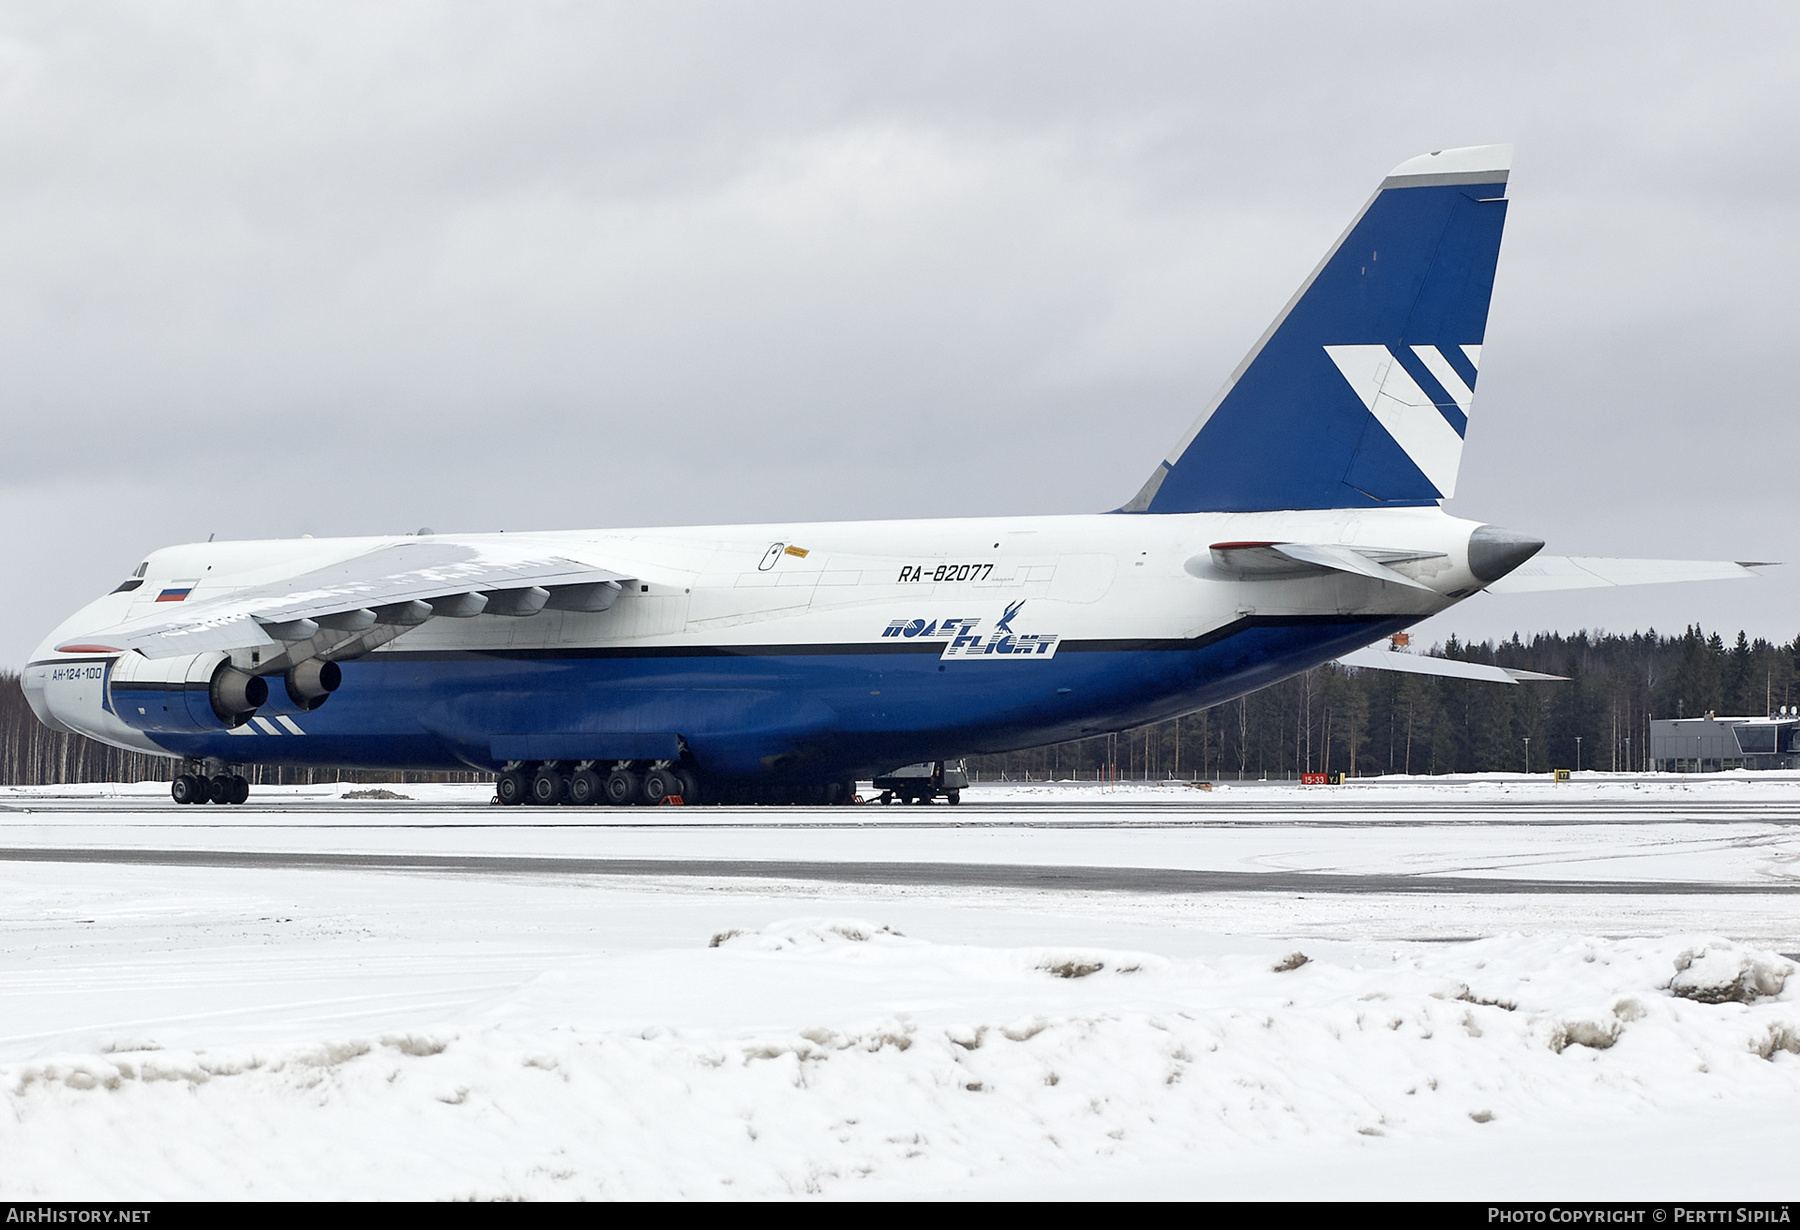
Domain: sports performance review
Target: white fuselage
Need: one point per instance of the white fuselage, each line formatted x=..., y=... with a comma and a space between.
x=1070, y=581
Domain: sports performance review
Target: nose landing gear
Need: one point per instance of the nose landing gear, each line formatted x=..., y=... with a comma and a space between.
x=219, y=788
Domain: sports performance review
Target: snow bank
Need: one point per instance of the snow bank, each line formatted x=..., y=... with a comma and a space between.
x=1723, y=973
x=1118, y=1060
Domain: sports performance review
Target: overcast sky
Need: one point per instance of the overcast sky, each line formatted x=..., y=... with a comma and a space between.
x=268, y=270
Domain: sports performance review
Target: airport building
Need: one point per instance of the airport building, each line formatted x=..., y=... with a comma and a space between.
x=1709, y=744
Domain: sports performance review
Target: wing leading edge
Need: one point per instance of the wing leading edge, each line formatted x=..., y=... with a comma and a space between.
x=393, y=587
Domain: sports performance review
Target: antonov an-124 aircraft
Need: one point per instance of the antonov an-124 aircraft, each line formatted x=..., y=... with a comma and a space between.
x=1296, y=522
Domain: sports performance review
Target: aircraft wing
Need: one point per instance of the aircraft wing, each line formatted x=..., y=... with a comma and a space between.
x=1377, y=659
x=1548, y=572
x=400, y=584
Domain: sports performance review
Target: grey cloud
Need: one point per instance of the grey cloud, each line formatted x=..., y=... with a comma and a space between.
x=330, y=269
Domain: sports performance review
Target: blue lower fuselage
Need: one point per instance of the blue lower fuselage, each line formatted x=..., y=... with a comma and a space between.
x=803, y=712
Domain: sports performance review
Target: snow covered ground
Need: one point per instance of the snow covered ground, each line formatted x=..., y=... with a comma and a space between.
x=1621, y=1026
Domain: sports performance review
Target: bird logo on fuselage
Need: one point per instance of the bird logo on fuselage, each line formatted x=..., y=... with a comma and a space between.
x=966, y=642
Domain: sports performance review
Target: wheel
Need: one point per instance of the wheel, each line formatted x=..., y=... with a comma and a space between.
x=509, y=787
x=659, y=784
x=187, y=788
x=885, y=797
x=690, y=785
x=240, y=788
x=219, y=789
x=955, y=796
x=622, y=787
x=585, y=787
x=548, y=788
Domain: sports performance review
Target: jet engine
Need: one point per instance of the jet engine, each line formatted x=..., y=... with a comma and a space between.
x=186, y=695
x=304, y=687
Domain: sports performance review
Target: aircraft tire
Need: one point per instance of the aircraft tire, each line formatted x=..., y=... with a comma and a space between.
x=622, y=787
x=187, y=788
x=240, y=788
x=509, y=788
x=585, y=787
x=548, y=788
x=690, y=785
x=659, y=784
x=219, y=789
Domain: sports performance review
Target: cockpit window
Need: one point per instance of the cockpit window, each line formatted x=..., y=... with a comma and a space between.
x=127, y=586
x=142, y=569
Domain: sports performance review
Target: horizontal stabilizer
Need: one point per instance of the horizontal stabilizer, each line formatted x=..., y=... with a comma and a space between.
x=1550, y=572
x=1253, y=560
x=1377, y=659
x=1343, y=559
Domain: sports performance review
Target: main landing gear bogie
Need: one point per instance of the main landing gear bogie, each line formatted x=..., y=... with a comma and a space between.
x=221, y=788
x=619, y=784
x=953, y=797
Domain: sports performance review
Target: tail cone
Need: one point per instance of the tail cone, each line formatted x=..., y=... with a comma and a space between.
x=1494, y=552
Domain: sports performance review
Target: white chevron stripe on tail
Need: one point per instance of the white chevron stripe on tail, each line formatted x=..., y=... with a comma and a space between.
x=1435, y=363
x=1405, y=410
x=1474, y=355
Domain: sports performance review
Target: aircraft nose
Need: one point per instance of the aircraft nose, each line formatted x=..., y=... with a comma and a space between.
x=31, y=682
x=1494, y=552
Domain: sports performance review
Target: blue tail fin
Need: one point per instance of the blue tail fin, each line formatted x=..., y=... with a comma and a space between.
x=1358, y=395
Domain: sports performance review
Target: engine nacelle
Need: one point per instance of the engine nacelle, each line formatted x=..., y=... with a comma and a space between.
x=303, y=688
x=188, y=695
